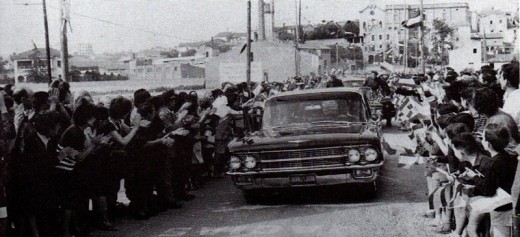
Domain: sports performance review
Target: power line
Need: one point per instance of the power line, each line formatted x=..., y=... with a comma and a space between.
x=124, y=26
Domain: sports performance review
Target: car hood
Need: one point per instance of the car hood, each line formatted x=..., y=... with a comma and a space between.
x=353, y=135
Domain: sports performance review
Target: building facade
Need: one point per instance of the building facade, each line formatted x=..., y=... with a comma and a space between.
x=26, y=63
x=272, y=60
x=376, y=39
x=84, y=50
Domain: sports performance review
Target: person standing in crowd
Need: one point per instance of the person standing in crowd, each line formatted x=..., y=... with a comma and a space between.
x=474, y=161
x=36, y=191
x=508, y=78
x=76, y=146
x=333, y=81
x=500, y=175
x=486, y=103
x=7, y=135
x=148, y=145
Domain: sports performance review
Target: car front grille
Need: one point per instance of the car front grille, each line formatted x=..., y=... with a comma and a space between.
x=304, y=158
x=303, y=163
x=336, y=151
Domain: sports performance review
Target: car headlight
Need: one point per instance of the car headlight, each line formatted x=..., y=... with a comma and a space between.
x=353, y=155
x=234, y=163
x=250, y=162
x=370, y=154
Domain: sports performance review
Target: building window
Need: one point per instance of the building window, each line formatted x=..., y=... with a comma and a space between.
x=388, y=37
x=491, y=22
x=380, y=46
x=474, y=51
x=175, y=68
x=364, y=25
x=380, y=24
x=373, y=37
x=380, y=37
x=499, y=21
x=59, y=64
x=492, y=31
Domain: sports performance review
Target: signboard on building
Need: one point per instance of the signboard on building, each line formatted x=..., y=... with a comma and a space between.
x=236, y=72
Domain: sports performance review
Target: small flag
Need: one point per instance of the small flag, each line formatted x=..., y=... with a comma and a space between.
x=407, y=161
x=482, y=204
x=389, y=149
x=243, y=48
x=414, y=21
x=408, y=151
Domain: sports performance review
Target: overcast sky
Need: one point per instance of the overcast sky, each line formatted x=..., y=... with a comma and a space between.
x=134, y=22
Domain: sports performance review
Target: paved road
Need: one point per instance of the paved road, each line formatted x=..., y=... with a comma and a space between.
x=220, y=210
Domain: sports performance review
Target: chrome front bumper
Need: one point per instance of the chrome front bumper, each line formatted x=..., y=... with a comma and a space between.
x=323, y=177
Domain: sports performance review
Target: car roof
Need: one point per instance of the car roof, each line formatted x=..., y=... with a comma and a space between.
x=316, y=91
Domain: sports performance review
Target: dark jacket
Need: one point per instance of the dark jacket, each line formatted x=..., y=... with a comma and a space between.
x=335, y=83
x=500, y=175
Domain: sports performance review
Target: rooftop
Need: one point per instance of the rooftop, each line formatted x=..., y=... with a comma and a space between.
x=428, y=6
x=230, y=35
x=39, y=53
x=192, y=44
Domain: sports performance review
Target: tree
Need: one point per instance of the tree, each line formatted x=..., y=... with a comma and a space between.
x=441, y=36
x=284, y=35
x=224, y=48
x=2, y=64
x=352, y=27
x=170, y=54
x=189, y=53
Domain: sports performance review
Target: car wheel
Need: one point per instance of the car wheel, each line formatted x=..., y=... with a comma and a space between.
x=252, y=196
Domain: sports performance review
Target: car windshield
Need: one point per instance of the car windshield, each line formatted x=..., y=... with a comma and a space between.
x=304, y=111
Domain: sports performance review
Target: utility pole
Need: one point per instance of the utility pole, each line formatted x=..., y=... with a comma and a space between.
x=64, y=44
x=337, y=56
x=421, y=44
x=297, y=39
x=485, y=48
x=272, y=20
x=48, y=49
x=248, y=71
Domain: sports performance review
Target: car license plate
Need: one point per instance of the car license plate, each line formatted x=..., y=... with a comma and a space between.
x=303, y=179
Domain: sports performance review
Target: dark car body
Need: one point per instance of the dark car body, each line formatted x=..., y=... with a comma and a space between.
x=314, y=151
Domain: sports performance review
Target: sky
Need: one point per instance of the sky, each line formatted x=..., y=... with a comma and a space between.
x=131, y=25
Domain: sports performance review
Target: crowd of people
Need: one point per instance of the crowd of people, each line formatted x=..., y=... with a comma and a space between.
x=61, y=152
x=470, y=142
